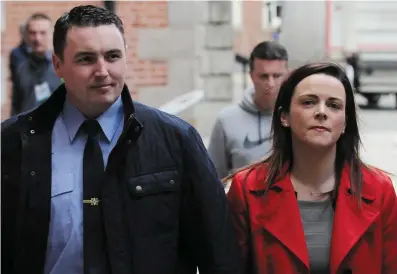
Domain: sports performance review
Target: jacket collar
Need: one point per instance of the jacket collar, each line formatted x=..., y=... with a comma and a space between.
x=42, y=118
x=280, y=211
x=36, y=129
x=351, y=221
x=284, y=183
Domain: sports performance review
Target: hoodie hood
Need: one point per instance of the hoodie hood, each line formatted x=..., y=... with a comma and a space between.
x=247, y=103
x=241, y=136
x=262, y=117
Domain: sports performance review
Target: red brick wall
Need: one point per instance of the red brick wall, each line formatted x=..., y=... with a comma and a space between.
x=135, y=15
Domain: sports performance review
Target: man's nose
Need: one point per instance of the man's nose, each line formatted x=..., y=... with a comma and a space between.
x=35, y=37
x=271, y=81
x=101, y=69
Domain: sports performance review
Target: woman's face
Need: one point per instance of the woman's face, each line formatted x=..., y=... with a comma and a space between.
x=317, y=112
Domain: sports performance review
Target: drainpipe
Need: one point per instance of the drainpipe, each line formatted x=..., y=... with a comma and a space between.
x=110, y=5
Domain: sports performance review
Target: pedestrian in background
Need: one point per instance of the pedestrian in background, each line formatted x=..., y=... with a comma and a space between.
x=241, y=133
x=34, y=79
x=20, y=53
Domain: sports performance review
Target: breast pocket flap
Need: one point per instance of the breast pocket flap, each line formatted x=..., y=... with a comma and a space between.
x=154, y=183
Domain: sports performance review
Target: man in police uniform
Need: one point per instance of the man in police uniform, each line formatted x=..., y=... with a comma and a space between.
x=95, y=183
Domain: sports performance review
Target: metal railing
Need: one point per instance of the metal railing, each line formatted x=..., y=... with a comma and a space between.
x=183, y=102
x=244, y=62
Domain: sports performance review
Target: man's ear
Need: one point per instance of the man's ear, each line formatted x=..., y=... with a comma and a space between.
x=56, y=62
x=284, y=117
x=126, y=48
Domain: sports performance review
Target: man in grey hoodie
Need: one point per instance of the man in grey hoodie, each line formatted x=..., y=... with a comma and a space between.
x=241, y=134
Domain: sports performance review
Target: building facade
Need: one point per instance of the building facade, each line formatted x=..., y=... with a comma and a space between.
x=173, y=46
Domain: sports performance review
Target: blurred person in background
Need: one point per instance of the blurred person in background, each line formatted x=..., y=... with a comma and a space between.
x=35, y=78
x=313, y=206
x=95, y=183
x=20, y=53
x=241, y=133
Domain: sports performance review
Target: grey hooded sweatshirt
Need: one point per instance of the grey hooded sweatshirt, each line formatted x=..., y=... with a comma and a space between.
x=240, y=136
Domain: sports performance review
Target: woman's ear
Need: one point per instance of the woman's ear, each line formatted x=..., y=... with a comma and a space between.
x=284, y=117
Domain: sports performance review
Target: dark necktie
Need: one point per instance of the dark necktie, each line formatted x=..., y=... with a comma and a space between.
x=94, y=244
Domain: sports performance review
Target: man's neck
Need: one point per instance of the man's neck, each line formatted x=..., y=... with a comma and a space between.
x=314, y=167
x=262, y=109
x=88, y=111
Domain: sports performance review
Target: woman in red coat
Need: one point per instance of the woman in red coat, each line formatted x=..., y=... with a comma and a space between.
x=313, y=206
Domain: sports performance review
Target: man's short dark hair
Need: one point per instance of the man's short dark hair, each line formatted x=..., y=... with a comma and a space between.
x=82, y=16
x=36, y=16
x=268, y=50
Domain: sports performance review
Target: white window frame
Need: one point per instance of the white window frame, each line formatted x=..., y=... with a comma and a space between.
x=237, y=14
x=3, y=15
x=266, y=21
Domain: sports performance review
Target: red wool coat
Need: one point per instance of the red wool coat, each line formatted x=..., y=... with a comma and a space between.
x=271, y=235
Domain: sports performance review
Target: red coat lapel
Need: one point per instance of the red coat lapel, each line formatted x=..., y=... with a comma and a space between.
x=350, y=222
x=279, y=214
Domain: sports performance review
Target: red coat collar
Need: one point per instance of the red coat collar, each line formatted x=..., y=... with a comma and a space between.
x=280, y=215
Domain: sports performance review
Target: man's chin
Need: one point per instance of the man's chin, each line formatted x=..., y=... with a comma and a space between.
x=106, y=99
x=266, y=108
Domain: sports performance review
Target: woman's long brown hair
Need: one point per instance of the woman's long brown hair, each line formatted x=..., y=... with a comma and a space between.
x=280, y=160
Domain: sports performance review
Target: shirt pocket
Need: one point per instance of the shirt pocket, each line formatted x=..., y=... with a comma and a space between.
x=155, y=200
x=61, y=204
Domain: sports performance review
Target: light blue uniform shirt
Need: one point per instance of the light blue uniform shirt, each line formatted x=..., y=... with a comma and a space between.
x=65, y=239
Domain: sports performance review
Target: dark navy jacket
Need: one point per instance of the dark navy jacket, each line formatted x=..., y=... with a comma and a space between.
x=31, y=72
x=165, y=210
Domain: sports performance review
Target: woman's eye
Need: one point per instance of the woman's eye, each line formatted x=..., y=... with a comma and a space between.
x=334, y=105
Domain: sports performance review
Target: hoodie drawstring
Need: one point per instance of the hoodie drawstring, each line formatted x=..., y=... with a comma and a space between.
x=259, y=128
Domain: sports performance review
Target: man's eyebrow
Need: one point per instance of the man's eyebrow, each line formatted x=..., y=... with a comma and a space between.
x=90, y=53
x=83, y=53
x=114, y=51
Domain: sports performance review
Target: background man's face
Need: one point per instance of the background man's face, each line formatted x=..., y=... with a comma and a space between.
x=267, y=76
x=38, y=35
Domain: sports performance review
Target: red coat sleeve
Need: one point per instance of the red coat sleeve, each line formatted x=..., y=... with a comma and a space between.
x=389, y=219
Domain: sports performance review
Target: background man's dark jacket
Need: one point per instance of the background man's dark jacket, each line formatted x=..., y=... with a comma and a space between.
x=31, y=72
x=165, y=210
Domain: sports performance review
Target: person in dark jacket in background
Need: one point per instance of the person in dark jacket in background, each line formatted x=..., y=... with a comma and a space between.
x=34, y=77
x=20, y=53
x=93, y=182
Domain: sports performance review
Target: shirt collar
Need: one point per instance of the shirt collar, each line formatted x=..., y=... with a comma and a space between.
x=109, y=120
